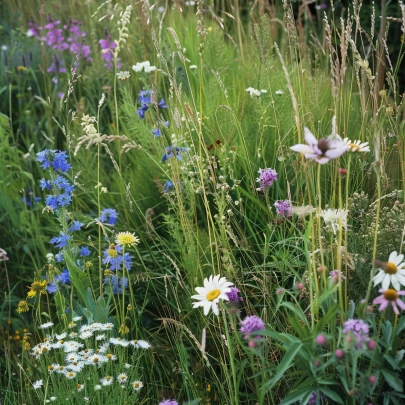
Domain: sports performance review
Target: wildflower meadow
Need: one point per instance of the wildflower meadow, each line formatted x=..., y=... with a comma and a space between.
x=202, y=202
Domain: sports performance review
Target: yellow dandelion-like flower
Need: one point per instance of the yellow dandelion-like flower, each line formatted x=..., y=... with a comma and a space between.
x=126, y=239
x=22, y=307
x=37, y=287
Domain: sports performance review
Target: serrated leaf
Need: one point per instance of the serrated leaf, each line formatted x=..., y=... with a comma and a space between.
x=393, y=380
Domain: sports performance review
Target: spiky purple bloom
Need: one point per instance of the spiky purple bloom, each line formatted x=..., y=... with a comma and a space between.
x=266, y=178
x=358, y=329
x=168, y=402
x=251, y=324
x=234, y=297
x=109, y=216
x=283, y=208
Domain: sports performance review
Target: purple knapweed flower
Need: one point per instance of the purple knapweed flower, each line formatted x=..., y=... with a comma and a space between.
x=283, y=208
x=266, y=178
x=356, y=332
x=251, y=324
x=323, y=150
x=107, y=50
x=234, y=297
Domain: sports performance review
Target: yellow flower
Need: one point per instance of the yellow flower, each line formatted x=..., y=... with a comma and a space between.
x=22, y=307
x=37, y=287
x=126, y=239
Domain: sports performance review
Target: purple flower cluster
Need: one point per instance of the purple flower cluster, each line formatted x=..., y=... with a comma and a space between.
x=109, y=216
x=168, y=402
x=358, y=329
x=283, y=208
x=251, y=324
x=313, y=398
x=266, y=178
x=118, y=284
x=107, y=51
x=113, y=258
x=335, y=274
x=234, y=297
x=145, y=99
x=69, y=37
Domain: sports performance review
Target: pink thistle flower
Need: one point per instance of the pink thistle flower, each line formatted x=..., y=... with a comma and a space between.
x=320, y=340
x=321, y=150
x=390, y=296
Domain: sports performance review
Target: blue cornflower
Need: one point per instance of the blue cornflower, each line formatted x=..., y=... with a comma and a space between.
x=62, y=183
x=51, y=288
x=84, y=251
x=162, y=104
x=167, y=186
x=113, y=258
x=142, y=110
x=172, y=151
x=145, y=97
x=52, y=201
x=53, y=159
x=157, y=131
x=45, y=184
x=63, y=277
x=109, y=216
x=75, y=226
x=60, y=241
x=118, y=284
x=59, y=257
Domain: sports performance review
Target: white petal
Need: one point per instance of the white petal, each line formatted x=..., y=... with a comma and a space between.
x=215, y=308
x=302, y=149
x=378, y=278
x=395, y=282
x=386, y=282
x=309, y=137
x=399, y=259
x=207, y=306
x=392, y=257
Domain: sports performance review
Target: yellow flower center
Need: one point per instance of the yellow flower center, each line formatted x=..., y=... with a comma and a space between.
x=112, y=253
x=71, y=374
x=79, y=386
x=108, y=378
x=136, y=385
x=123, y=377
x=50, y=367
x=95, y=360
x=391, y=295
x=354, y=147
x=109, y=355
x=390, y=268
x=213, y=294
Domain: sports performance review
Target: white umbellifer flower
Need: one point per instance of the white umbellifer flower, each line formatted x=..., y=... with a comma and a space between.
x=137, y=385
x=215, y=289
x=253, y=92
x=38, y=384
x=193, y=66
x=392, y=271
x=356, y=146
x=46, y=325
x=143, y=66
x=279, y=92
x=149, y=69
x=332, y=218
x=123, y=75
x=122, y=378
x=108, y=380
x=190, y=3
x=78, y=318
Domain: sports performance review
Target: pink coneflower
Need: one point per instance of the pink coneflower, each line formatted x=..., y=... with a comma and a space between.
x=323, y=150
x=390, y=296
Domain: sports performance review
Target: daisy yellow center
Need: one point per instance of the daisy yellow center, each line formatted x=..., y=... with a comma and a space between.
x=213, y=294
x=391, y=295
x=108, y=378
x=71, y=374
x=390, y=268
x=79, y=386
x=112, y=253
x=354, y=147
x=95, y=360
x=123, y=377
x=136, y=385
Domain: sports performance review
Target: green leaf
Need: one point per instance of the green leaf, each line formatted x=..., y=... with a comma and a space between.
x=393, y=380
x=387, y=332
x=297, y=311
x=284, y=365
x=300, y=395
x=332, y=395
x=392, y=361
x=400, y=326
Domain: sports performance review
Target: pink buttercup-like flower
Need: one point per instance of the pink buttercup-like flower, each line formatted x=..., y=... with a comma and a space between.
x=390, y=296
x=321, y=150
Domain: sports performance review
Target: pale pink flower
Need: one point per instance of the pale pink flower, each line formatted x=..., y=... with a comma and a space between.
x=390, y=296
x=321, y=150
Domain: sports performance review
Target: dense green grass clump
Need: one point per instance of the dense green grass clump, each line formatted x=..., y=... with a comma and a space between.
x=166, y=136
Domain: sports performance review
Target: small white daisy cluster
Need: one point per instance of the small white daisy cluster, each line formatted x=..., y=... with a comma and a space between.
x=146, y=66
x=94, y=347
x=253, y=92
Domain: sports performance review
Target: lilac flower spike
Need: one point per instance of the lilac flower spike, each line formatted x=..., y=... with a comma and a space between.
x=321, y=150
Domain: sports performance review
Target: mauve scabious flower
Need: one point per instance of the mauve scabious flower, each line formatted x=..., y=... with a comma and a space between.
x=266, y=178
x=334, y=276
x=323, y=150
x=251, y=324
x=168, y=402
x=390, y=296
x=283, y=208
x=234, y=297
x=358, y=329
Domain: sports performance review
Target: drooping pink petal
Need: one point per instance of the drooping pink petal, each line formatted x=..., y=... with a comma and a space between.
x=394, y=305
x=400, y=303
x=309, y=137
x=383, y=305
x=302, y=148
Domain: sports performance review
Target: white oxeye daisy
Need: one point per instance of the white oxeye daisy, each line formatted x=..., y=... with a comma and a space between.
x=356, y=146
x=70, y=375
x=77, y=318
x=52, y=368
x=392, y=271
x=46, y=325
x=108, y=326
x=61, y=336
x=101, y=337
x=86, y=335
x=215, y=289
x=140, y=344
x=77, y=366
x=108, y=380
x=80, y=387
x=71, y=357
x=137, y=385
x=38, y=384
x=122, y=378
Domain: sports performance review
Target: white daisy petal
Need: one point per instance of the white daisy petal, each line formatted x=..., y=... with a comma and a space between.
x=392, y=257
x=386, y=282
x=378, y=278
